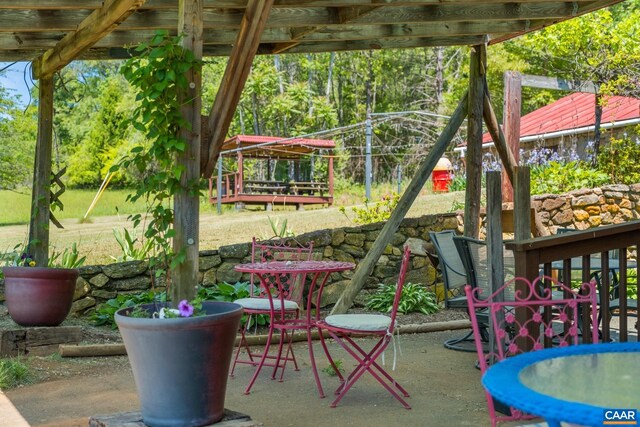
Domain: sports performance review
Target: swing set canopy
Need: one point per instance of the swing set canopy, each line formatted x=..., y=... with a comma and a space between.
x=258, y=146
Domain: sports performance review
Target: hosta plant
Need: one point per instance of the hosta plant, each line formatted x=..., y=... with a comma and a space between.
x=415, y=298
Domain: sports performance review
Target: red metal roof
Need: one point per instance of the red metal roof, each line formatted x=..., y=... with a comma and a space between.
x=248, y=140
x=575, y=111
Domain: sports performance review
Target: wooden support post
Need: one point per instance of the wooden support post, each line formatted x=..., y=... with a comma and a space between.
x=413, y=189
x=235, y=76
x=474, y=141
x=522, y=205
x=509, y=162
x=40, y=196
x=186, y=201
x=511, y=123
x=527, y=265
x=495, y=252
x=331, y=175
x=494, y=230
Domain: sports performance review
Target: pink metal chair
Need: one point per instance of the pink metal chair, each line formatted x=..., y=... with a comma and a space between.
x=342, y=327
x=529, y=318
x=259, y=303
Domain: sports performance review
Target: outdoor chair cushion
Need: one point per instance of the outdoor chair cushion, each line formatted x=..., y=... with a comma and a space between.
x=359, y=322
x=263, y=304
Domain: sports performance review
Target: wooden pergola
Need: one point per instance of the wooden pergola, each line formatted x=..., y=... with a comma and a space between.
x=52, y=33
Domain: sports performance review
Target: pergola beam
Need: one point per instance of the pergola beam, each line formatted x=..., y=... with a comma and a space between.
x=345, y=15
x=99, y=23
x=233, y=81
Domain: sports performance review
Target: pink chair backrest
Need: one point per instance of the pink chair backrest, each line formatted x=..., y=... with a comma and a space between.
x=532, y=319
x=280, y=250
x=400, y=284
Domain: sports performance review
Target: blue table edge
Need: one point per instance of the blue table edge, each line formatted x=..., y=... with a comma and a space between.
x=521, y=397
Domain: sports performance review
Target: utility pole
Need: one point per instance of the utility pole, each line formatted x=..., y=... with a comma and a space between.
x=367, y=161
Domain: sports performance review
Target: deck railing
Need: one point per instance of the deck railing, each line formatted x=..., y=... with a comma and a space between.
x=591, y=247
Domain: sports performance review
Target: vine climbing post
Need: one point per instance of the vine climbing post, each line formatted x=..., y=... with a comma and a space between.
x=39, y=222
x=186, y=200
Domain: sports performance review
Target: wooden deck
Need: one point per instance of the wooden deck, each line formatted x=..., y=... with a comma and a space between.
x=269, y=193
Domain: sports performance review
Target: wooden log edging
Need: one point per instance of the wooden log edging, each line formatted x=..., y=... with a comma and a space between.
x=93, y=350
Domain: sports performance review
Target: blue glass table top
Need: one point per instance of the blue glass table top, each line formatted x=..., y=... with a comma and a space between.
x=574, y=384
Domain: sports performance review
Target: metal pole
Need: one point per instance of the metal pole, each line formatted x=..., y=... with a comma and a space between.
x=219, y=185
x=367, y=163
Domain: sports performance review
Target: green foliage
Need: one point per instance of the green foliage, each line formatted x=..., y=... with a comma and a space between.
x=620, y=159
x=458, y=183
x=131, y=251
x=378, y=212
x=159, y=74
x=68, y=258
x=279, y=229
x=13, y=373
x=414, y=298
x=104, y=313
x=330, y=371
x=558, y=178
x=229, y=293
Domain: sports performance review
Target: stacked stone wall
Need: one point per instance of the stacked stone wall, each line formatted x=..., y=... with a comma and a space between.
x=583, y=209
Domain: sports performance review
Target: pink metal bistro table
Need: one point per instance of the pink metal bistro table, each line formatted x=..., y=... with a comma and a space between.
x=272, y=276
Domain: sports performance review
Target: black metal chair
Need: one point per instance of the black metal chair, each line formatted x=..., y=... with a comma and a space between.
x=452, y=268
x=455, y=277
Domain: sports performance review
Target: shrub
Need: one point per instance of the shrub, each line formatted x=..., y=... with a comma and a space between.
x=557, y=178
x=414, y=298
x=377, y=212
x=620, y=159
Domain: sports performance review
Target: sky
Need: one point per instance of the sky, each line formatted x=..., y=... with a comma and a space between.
x=13, y=79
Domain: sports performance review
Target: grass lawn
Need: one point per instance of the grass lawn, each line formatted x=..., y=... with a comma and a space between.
x=96, y=240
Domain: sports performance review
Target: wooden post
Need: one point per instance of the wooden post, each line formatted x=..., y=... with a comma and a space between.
x=413, y=189
x=235, y=76
x=522, y=205
x=40, y=196
x=473, y=192
x=494, y=230
x=527, y=265
x=495, y=252
x=330, y=174
x=186, y=202
x=511, y=123
x=509, y=162
x=240, y=183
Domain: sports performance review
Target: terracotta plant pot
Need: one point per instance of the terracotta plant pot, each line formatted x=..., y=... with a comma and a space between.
x=181, y=365
x=39, y=296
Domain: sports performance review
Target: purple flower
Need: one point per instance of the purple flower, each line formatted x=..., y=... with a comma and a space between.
x=185, y=309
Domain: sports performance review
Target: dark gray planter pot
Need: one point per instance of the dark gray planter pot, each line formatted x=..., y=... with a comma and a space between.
x=181, y=365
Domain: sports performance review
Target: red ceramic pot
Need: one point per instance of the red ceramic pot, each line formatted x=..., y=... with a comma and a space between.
x=39, y=296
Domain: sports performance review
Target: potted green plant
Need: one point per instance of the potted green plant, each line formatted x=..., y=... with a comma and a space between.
x=37, y=295
x=179, y=352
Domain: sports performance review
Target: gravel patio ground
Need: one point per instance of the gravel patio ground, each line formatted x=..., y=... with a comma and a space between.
x=444, y=386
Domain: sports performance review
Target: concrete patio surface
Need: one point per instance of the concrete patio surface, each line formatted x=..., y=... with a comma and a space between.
x=444, y=386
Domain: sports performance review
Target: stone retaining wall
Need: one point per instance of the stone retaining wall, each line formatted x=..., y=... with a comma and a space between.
x=581, y=209
x=99, y=283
